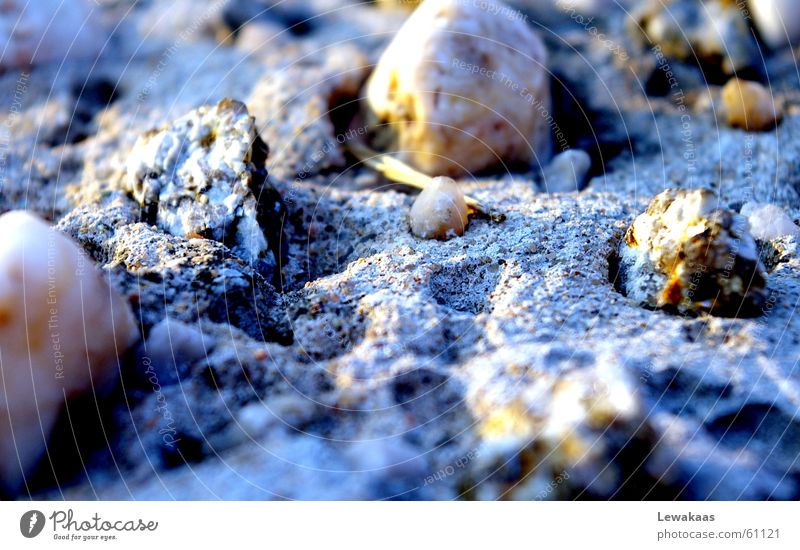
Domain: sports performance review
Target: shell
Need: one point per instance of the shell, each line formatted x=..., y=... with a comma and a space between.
x=440, y=211
x=61, y=330
x=462, y=87
x=687, y=253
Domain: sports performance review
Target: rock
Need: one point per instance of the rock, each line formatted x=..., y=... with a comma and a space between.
x=440, y=211
x=712, y=33
x=688, y=253
x=61, y=330
x=749, y=105
x=777, y=21
x=188, y=280
x=567, y=171
x=460, y=89
x=49, y=31
x=768, y=221
x=204, y=176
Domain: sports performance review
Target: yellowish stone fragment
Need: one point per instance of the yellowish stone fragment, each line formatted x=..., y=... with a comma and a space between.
x=749, y=105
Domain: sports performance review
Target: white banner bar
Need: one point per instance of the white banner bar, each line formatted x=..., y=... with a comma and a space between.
x=390, y=525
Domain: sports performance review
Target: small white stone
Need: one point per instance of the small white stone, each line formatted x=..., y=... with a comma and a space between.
x=777, y=21
x=47, y=31
x=567, y=171
x=440, y=211
x=172, y=341
x=768, y=221
x=61, y=330
x=462, y=87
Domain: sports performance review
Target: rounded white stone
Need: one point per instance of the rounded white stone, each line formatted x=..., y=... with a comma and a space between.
x=567, y=171
x=462, y=87
x=778, y=21
x=61, y=330
x=768, y=221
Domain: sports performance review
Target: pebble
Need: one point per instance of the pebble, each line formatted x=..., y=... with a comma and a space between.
x=61, y=330
x=749, y=105
x=768, y=221
x=567, y=171
x=688, y=253
x=440, y=211
x=777, y=21
x=461, y=88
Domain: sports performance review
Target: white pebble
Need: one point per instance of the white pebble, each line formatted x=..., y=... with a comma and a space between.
x=61, y=330
x=778, y=21
x=462, y=87
x=768, y=221
x=567, y=171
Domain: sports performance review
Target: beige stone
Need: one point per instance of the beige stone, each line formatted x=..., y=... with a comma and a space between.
x=462, y=87
x=749, y=105
x=61, y=330
x=440, y=211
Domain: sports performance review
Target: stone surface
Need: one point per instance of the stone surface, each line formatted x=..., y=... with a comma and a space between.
x=50, y=31
x=405, y=368
x=461, y=88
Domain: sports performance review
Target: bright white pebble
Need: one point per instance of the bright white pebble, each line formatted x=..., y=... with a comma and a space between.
x=61, y=330
x=768, y=222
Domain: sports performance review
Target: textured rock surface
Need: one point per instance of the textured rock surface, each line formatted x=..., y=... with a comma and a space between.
x=461, y=89
x=204, y=176
x=423, y=369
